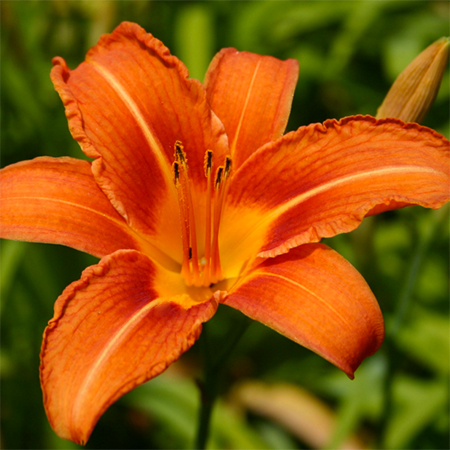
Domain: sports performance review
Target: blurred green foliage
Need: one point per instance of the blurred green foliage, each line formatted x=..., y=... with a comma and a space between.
x=350, y=52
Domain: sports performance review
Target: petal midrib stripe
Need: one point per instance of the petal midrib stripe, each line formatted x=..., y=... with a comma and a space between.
x=152, y=140
x=244, y=109
x=76, y=205
x=108, y=349
x=344, y=180
x=304, y=288
x=158, y=256
x=272, y=216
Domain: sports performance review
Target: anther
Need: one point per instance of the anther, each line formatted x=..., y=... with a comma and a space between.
x=208, y=162
x=218, y=177
x=179, y=153
x=227, y=166
x=176, y=173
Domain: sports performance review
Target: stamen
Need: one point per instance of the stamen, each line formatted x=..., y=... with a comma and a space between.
x=220, y=187
x=185, y=269
x=207, y=257
x=190, y=269
x=215, y=193
x=193, y=256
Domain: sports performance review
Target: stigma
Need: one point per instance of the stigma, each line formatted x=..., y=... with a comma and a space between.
x=200, y=269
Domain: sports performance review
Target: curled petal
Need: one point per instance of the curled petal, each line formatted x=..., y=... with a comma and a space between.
x=252, y=95
x=121, y=324
x=315, y=297
x=127, y=105
x=322, y=180
x=56, y=200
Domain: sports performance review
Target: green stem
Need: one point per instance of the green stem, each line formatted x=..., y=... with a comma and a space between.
x=210, y=387
x=206, y=408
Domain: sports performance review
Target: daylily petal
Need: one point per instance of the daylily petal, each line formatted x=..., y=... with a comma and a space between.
x=315, y=297
x=56, y=200
x=121, y=324
x=252, y=95
x=127, y=104
x=322, y=180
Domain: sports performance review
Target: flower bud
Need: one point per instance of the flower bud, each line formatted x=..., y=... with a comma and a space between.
x=415, y=89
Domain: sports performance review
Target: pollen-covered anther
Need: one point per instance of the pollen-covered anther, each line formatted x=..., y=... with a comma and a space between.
x=208, y=162
x=219, y=175
x=227, y=166
x=176, y=173
x=179, y=153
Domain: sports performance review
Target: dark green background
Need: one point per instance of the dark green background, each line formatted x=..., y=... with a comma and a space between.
x=349, y=53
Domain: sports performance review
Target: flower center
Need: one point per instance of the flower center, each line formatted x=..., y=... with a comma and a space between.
x=204, y=270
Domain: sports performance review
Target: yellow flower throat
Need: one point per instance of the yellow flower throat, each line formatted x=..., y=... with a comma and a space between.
x=206, y=270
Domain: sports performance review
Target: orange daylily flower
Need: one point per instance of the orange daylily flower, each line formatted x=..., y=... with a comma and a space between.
x=194, y=198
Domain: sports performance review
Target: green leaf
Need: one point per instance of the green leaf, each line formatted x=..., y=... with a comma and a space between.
x=194, y=38
x=426, y=339
x=12, y=253
x=418, y=404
